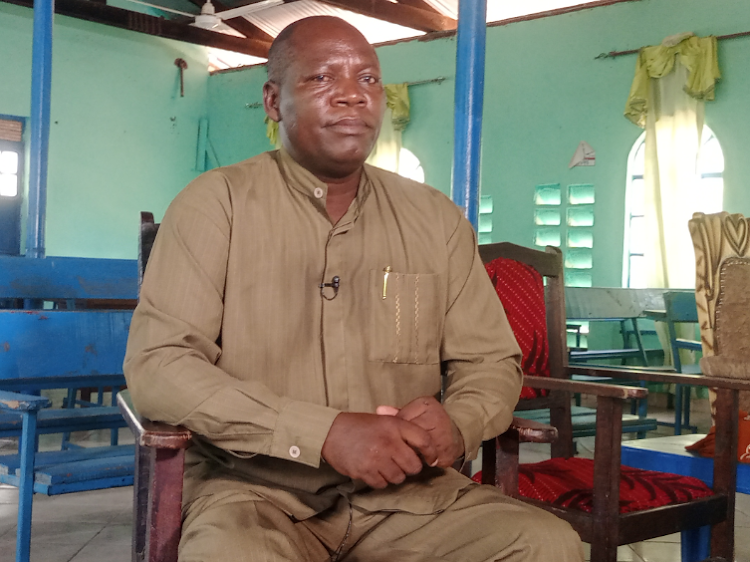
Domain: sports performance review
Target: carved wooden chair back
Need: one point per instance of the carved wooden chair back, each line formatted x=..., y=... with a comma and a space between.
x=722, y=285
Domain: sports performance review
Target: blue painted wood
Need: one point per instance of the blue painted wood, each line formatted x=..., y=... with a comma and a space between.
x=668, y=454
x=18, y=402
x=26, y=486
x=68, y=278
x=67, y=488
x=41, y=87
x=42, y=343
x=696, y=544
x=62, y=381
x=65, y=420
x=46, y=459
x=87, y=470
x=469, y=103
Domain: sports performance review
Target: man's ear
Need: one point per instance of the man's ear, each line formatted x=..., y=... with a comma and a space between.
x=271, y=100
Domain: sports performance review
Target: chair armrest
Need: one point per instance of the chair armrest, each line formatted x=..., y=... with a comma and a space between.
x=152, y=434
x=530, y=431
x=595, y=388
x=660, y=376
x=725, y=367
x=22, y=402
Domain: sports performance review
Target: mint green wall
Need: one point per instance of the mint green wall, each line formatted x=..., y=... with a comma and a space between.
x=122, y=139
x=544, y=94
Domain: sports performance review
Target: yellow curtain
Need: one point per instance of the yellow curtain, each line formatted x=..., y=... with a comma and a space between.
x=697, y=54
x=386, y=152
x=671, y=82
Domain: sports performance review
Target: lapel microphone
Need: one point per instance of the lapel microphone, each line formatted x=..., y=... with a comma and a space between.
x=334, y=284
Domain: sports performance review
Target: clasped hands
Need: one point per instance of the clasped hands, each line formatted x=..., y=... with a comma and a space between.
x=385, y=447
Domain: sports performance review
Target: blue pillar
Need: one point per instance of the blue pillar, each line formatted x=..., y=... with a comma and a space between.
x=469, y=99
x=41, y=77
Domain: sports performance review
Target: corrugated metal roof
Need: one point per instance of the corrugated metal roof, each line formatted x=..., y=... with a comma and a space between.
x=273, y=20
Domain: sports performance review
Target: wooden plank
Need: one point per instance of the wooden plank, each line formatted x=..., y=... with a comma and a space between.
x=636, y=374
x=43, y=343
x=85, y=470
x=83, y=486
x=660, y=521
x=610, y=303
x=532, y=431
x=22, y=402
x=68, y=278
x=65, y=420
x=151, y=25
x=668, y=454
x=597, y=389
x=62, y=381
x=47, y=458
x=399, y=14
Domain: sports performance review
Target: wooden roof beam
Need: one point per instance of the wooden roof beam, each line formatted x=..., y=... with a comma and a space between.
x=151, y=25
x=400, y=14
x=421, y=4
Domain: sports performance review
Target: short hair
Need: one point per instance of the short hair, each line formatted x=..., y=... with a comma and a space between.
x=281, y=52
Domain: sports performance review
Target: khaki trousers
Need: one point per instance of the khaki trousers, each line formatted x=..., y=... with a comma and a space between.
x=482, y=525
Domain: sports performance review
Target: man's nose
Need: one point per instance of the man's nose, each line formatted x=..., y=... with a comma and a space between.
x=349, y=91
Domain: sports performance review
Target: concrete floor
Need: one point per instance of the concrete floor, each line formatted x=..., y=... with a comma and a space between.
x=96, y=526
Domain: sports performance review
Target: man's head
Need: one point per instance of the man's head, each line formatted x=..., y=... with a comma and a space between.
x=325, y=91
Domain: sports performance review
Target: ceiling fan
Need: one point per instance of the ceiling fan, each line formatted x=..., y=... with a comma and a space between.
x=209, y=19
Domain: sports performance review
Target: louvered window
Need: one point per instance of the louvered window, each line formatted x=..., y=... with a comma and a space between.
x=11, y=151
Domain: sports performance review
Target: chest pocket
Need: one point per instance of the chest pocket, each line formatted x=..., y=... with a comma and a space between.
x=406, y=325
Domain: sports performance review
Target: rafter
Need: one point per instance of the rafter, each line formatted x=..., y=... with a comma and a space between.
x=421, y=4
x=151, y=25
x=400, y=14
x=247, y=28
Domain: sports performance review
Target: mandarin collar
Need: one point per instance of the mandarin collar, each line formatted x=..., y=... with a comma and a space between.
x=304, y=181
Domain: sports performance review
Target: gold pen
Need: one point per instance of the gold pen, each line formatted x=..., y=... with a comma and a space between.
x=386, y=273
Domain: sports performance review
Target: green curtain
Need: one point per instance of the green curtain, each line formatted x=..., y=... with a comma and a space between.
x=697, y=54
x=396, y=99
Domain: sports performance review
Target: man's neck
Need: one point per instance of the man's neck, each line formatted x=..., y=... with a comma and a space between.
x=341, y=193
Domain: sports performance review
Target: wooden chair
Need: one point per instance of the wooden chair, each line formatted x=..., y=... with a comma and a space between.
x=604, y=526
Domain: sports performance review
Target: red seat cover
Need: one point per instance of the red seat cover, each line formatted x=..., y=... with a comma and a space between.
x=521, y=290
x=570, y=483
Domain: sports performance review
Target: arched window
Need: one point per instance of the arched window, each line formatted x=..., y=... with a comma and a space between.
x=708, y=195
x=409, y=166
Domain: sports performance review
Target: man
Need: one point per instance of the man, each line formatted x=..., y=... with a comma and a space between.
x=295, y=315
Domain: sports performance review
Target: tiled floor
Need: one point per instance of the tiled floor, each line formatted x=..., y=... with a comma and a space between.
x=96, y=526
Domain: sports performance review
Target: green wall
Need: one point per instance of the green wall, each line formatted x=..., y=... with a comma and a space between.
x=122, y=139
x=544, y=93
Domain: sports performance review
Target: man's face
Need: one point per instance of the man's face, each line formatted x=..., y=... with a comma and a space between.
x=330, y=102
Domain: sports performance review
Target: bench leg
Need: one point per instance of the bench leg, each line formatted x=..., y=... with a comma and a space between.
x=26, y=449
x=695, y=544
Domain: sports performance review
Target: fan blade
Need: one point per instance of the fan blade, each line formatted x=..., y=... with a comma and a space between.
x=249, y=9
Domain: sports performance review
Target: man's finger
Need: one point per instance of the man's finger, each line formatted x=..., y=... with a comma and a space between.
x=419, y=440
x=417, y=408
x=387, y=411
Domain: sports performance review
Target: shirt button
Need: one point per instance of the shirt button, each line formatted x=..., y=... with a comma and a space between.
x=294, y=451
x=318, y=192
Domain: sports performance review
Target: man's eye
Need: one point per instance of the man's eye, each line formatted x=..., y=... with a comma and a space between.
x=320, y=78
x=369, y=79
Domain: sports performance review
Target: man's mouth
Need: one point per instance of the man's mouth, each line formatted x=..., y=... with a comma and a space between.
x=350, y=125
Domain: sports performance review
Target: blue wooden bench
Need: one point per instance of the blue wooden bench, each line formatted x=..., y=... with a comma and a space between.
x=71, y=334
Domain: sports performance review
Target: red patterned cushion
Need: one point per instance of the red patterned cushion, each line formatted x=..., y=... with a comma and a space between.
x=570, y=483
x=521, y=290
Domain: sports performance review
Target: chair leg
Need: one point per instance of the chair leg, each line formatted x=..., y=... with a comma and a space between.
x=26, y=450
x=678, y=409
x=143, y=467
x=695, y=544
